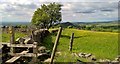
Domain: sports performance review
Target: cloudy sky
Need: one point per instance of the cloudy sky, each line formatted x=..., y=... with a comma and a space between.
x=72, y=10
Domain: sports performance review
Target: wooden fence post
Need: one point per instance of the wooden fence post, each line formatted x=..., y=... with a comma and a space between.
x=55, y=45
x=12, y=38
x=35, y=51
x=71, y=42
x=11, y=31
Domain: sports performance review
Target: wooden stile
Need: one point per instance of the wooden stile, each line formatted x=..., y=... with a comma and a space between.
x=13, y=59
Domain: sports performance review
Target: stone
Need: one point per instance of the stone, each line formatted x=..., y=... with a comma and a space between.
x=48, y=60
x=39, y=35
x=35, y=43
x=58, y=53
x=93, y=58
x=117, y=59
x=88, y=55
x=20, y=40
x=54, y=31
x=28, y=41
x=81, y=54
x=114, y=61
x=17, y=40
x=42, y=49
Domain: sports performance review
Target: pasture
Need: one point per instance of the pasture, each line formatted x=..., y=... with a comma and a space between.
x=104, y=45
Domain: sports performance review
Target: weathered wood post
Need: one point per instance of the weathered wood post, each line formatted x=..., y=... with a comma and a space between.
x=35, y=52
x=1, y=30
x=11, y=31
x=12, y=38
x=55, y=45
x=71, y=42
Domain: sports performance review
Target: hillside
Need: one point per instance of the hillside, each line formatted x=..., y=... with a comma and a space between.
x=110, y=26
x=106, y=22
x=103, y=45
x=76, y=24
x=64, y=24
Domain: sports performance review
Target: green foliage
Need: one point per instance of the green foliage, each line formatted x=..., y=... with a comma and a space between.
x=47, y=15
x=115, y=31
x=23, y=26
x=47, y=42
x=100, y=27
x=88, y=27
x=70, y=27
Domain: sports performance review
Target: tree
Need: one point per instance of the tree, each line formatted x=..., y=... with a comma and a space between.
x=47, y=15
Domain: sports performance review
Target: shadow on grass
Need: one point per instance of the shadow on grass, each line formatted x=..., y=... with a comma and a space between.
x=66, y=36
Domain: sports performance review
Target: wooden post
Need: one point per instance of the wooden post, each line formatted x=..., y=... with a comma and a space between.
x=71, y=42
x=55, y=45
x=11, y=31
x=21, y=41
x=35, y=52
x=1, y=30
x=32, y=34
x=12, y=38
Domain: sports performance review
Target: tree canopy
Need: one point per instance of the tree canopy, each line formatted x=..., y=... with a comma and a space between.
x=47, y=15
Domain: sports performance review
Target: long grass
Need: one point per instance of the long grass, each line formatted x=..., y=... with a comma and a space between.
x=104, y=45
x=6, y=36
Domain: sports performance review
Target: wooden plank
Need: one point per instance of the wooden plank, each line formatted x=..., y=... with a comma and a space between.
x=13, y=59
x=19, y=45
x=55, y=45
x=24, y=52
x=27, y=54
x=4, y=42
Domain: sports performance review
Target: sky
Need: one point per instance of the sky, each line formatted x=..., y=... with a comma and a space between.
x=72, y=10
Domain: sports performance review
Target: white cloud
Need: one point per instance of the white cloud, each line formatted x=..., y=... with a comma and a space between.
x=73, y=10
x=91, y=11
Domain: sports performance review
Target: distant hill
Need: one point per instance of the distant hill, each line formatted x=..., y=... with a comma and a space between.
x=15, y=23
x=65, y=24
x=76, y=23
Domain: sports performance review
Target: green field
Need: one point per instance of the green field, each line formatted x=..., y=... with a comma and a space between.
x=104, y=45
x=6, y=36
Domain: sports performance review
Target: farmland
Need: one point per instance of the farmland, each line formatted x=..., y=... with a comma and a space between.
x=6, y=36
x=103, y=45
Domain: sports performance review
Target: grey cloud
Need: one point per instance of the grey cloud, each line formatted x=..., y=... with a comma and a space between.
x=17, y=9
x=8, y=8
x=86, y=12
x=72, y=11
x=107, y=10
x=29, y=6
x=92, y=7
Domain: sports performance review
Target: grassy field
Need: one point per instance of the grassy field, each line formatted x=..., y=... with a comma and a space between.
x=6, y=36
x=103, y=45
